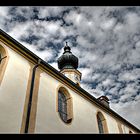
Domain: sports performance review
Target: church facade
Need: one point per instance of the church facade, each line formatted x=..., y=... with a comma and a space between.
x=36, y=98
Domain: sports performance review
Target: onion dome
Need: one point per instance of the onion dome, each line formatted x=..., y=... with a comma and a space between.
x=67, y=60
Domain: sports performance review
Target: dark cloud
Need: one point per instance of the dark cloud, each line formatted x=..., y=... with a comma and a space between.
x=29, y=39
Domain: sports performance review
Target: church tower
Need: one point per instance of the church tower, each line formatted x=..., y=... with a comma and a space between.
x=68, y=64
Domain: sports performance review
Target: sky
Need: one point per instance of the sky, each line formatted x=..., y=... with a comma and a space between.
x=105, y=39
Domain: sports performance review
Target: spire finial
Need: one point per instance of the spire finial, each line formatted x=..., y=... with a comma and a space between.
x=67, y=48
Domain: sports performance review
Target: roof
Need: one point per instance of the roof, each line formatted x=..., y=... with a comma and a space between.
x=22, y=49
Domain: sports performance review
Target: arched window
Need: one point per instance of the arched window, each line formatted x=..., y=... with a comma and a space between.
x=101, y=123
x=62, y=106
x=65, y=105
x=120, y=127
x=3, y=61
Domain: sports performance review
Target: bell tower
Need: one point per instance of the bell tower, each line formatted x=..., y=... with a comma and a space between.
x=68, y=64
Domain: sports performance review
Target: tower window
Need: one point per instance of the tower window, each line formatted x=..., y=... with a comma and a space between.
x=64, y=106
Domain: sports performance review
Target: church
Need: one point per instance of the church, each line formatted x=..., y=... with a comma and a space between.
x=36, y=98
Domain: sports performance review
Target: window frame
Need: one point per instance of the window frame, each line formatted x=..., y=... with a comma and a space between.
x=69, y=105
x=130, y=132
x=3, y=61
x=101, y=119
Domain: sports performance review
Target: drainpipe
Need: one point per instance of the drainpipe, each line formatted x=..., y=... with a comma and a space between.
x=30, y=97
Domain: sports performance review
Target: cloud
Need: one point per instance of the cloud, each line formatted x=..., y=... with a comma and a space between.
x=3, y=15
x=50, y=11
x=129, y=110
x=105, y=39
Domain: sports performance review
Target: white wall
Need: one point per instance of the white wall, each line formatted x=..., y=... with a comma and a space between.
x=84, y=120
x=13, y=92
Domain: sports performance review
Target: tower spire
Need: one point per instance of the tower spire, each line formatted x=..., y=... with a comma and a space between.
x=68, y=64
x=67, y=48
